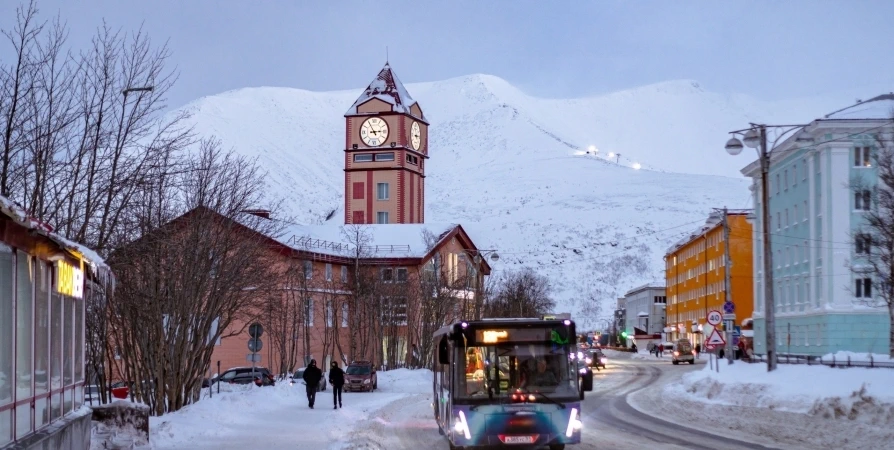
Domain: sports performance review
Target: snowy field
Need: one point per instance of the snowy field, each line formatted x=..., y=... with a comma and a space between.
x=278, y=417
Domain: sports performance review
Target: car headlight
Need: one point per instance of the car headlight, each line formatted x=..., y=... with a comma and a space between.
x=676, y=353
x=604, y=360
x=366, y=381
x=589, y=360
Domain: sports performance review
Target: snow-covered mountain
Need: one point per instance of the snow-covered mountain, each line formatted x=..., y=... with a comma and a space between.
x=514, y=169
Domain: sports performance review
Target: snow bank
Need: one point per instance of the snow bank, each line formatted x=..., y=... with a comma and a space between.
x=860, y=394
x=843, y=356
x=278, y=416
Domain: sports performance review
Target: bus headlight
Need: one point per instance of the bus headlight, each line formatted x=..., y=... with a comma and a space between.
x=461, y=426
x=589, y=361
x=574, y=424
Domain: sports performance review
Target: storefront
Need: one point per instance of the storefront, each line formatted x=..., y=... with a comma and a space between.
x=42, y=289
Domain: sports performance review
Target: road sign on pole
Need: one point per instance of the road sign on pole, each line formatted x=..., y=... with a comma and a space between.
x=714, y=318
x=255, y=345
x=253, y=357
x=715, y=340
x=729, y=307
x=255, y=330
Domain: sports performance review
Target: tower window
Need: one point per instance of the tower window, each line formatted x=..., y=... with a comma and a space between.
x=412, y=159
x=382, y=217
x=382, y=191
x=363, y=157
x=385, y=156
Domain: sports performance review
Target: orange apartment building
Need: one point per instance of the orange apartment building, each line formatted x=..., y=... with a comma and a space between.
x=695, y=275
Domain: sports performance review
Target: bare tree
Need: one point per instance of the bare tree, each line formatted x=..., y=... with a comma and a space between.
x=522, y=293
x=874, y=244
x=183, y=283
x=284, y=322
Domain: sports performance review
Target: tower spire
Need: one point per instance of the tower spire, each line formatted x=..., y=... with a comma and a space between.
x=386, y=55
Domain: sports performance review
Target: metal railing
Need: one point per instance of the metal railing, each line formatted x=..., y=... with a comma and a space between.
x=811, y=360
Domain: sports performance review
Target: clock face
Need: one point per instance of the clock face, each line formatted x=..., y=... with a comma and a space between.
x=374, y=131
x=415, y=136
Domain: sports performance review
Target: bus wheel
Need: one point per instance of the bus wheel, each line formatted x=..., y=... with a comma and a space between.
x=557, y=447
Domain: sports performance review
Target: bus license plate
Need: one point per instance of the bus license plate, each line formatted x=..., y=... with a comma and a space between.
x=519, y=440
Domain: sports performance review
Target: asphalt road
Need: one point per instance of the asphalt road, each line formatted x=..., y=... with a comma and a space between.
x=610, y=421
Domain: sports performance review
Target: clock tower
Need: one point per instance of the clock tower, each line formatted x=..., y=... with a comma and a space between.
x=386, y=145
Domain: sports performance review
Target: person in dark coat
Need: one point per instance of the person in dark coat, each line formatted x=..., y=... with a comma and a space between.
x=312, y=376
x=336, y=380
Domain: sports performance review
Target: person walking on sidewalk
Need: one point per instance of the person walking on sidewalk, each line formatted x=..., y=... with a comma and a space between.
x=337, y=381
x=312, y=377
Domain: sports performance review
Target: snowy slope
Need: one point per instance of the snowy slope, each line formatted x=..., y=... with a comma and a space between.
x=513, y=169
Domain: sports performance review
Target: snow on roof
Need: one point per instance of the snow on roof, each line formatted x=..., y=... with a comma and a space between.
x=877, y=108
x=652, y=285
x=388, y=88
x=18, y=214
x=712, y=221
x=385, y=241
x=642, y=314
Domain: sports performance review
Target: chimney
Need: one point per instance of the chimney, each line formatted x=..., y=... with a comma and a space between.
x=264, y=213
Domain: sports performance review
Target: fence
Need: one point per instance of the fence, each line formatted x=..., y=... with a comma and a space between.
x=811, y=360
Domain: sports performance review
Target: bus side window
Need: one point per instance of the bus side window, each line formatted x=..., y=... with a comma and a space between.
x=443, y=351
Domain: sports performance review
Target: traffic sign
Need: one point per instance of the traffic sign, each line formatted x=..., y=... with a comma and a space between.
x=714, y=317
x=255, y=345
x=729, y=307
x=253, y=357
x=255, y=330
x=715, y=340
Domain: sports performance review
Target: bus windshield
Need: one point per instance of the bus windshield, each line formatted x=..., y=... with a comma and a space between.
x=498, y=370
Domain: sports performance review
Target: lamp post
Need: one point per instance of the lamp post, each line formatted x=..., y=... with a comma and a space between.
x=756, y=137
x=478, y=257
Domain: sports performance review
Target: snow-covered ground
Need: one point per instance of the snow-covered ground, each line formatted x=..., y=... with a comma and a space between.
x=856, y=393
x=278, y=417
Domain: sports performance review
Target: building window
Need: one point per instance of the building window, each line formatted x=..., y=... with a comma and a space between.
x=778, y=220
x=24, y=335
x=862, y=157
x=7, y=330
x=330, y=314
x=309, y=312
x=344, y=274
x=344, y=315
x=413, y=159
x=862, y=200
x=402, y=275
x=387, y=275
x=862, y=244
x=382, y=191
x=363, y=157
x=777, y=184
x=786, y=218
x=785, y=183
x=795, y=215
x=384, y=157
x=805, y=211
x=308, y=269
x=395, y=311
x=328, y=272
x=357, y=191
x=794, y=174
x=382, y=217
x=863, y=288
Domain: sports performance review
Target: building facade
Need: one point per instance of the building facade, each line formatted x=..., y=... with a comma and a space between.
x=696, y=271
x=645, y=311
x=386, y=145
x=44, y=280
x=822, y=306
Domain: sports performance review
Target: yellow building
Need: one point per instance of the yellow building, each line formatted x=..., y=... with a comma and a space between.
x=695, y=275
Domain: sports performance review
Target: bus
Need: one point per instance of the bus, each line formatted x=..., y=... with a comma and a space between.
x=509, y=382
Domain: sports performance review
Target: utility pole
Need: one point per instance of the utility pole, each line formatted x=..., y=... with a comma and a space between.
x=726, y=283
x=769, y=301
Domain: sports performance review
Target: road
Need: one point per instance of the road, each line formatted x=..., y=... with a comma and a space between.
x=609, y=420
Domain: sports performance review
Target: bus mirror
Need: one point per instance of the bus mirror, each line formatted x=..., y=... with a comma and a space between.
x=443, y=354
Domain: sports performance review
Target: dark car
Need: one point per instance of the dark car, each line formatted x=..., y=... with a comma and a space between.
x=298, y=377
x=260, y=376
x=597, y=358
x=361, y=376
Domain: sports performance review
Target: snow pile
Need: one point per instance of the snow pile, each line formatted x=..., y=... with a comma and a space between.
x=860, y=394
x=844, y=356
x=278, y=416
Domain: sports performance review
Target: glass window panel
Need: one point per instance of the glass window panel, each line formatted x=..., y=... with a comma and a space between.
x=57, y=341
x=24, y=326
x=23, y=420
x=68, y=330
x=67, y=401
x=41, y=413
x=42, y=328
x=78, y=396
x=56, y=406
x=5, y=427
x=79, y=341
x=6, y=331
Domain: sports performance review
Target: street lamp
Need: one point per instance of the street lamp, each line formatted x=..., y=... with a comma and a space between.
x=137, y=89
x=756, y=137
x=478, y=258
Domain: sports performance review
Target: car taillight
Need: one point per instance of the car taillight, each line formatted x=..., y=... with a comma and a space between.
x=676, y=353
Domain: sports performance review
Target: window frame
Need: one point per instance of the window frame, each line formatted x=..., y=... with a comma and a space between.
x=384, y=157
x=363, y=157
x=383, y=191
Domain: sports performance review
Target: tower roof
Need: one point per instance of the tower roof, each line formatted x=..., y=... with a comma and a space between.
x=387, y=88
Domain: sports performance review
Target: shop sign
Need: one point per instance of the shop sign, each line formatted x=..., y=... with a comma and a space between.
x=69, y=280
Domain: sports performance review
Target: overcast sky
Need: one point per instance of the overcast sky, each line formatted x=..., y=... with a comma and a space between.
x=771, y=50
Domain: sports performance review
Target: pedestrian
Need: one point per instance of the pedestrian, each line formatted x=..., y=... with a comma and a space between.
x=312, y=377
x=661, y=350
x=698, y=350
x=337, y=381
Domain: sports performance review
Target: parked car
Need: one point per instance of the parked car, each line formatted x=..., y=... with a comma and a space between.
x=298, y=377
x=683, y=352
x=361, y=376
x=244, y=375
